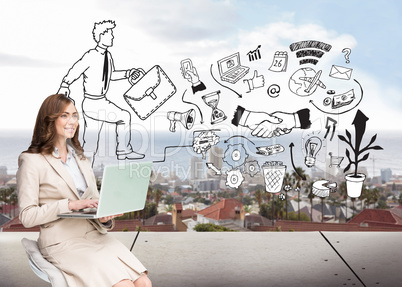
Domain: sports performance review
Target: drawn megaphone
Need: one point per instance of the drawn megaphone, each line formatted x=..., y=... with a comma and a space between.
x=187, y=119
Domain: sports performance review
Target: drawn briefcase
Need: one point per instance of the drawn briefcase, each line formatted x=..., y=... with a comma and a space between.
x=150, y=92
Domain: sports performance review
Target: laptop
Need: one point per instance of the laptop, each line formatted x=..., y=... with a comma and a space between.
x=124, y=189
x=230, y=68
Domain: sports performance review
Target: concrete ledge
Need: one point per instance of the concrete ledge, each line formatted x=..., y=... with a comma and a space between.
x=242, y=258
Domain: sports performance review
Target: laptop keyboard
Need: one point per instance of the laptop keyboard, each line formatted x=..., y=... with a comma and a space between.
x=235, y=73
x=86, y=211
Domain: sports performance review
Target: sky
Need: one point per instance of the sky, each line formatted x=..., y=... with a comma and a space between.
x=42, y=39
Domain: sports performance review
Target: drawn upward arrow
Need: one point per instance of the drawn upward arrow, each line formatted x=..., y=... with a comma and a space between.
x=330, y=121
x=293, y=164
x=359, y=122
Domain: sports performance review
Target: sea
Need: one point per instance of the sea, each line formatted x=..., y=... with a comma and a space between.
x=171, y=153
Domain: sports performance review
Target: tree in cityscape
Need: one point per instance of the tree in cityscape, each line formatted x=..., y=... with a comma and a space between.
x=169, y=208
x=279, y=209
x=382, y=204
x=336, y=203
x=310, y=197
x=157, y=196
x=247, y=208
x=259, y=197
x=297, y=181
x=149, y=193
x=376, y=195
x=8, y=195
x=149, y=210
x=273, y=210
x=247, y=200
x=370, y=196
x=265, y=210
x=344, y=194
x=365, y=196
x=287, y=186
x=13, y=200
x=295, y=217
x=168, y=199
x=210, y=227
x=268, y=196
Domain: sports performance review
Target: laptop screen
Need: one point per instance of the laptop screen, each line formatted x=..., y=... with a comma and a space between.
x=228, y=63
x=124, y=188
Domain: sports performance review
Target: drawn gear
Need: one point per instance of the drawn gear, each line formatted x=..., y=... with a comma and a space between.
x=234, y=178
x=251, y=167
x=235, y=155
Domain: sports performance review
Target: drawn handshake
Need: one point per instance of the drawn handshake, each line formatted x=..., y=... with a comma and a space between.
x=267, y=125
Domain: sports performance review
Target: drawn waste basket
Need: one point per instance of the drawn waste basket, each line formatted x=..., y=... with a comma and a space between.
x=150, y=91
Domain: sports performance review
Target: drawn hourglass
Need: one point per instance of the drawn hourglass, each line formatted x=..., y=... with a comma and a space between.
x=212, y=100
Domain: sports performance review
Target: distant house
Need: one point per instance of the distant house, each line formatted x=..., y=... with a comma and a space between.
x=252, y=219
x=225, y=212
x=294, y=205
x=159, y=219
x=331, y=213
x=316, y=215
x=171, y=221
x=177, y=217
x=378, y=218
x=334, y=213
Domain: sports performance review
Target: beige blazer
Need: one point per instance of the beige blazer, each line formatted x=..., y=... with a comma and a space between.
x=44, y=187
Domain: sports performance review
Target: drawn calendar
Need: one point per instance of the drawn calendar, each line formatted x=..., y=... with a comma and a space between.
x=280, y=62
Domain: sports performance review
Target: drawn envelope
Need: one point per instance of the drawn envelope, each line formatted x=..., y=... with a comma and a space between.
x=339, y=72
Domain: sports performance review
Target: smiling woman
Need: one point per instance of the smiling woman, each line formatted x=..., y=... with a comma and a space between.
x=66, y=125
x=55, y=177
x=57, y=121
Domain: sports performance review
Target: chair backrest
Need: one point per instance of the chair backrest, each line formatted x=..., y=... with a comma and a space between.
x=40, y=266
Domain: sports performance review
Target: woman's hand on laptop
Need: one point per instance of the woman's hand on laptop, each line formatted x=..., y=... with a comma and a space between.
x=82, y=203
x=107, y=218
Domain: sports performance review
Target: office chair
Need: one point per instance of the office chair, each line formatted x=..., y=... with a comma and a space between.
x=40, y=266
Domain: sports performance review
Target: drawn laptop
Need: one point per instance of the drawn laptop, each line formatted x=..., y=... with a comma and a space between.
x=230, y=68
x=124, y=189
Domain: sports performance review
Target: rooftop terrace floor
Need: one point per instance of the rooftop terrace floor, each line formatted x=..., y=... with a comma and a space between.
x=242, y=258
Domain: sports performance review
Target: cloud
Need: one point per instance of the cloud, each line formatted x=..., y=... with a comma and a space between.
x=8, y=60
x=279, y=35
x=176, y=20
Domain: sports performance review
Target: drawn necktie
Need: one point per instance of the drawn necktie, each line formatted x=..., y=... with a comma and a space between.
x=105, y=71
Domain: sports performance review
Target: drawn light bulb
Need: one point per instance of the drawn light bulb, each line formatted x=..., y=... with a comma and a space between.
x=313, y=146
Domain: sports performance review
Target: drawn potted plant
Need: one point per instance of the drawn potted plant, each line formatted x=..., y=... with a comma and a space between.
x=355, y=180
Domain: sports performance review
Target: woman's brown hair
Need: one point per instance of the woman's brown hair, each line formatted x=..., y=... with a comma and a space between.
x=44, y=134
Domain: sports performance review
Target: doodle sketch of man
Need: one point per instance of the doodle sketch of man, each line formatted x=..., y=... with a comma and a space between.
x=97, y=68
